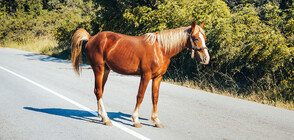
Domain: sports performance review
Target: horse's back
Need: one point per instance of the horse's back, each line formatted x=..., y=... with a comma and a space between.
x=109, y=40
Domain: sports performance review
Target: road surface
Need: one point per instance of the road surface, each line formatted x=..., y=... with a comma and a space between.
x=42, y=98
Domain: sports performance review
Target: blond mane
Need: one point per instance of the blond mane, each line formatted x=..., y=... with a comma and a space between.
x=172, y=39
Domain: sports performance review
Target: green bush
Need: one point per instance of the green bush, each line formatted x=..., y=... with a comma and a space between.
x=28, y=20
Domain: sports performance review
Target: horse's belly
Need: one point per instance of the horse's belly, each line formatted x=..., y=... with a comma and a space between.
x=124, y=65
x=125, y=56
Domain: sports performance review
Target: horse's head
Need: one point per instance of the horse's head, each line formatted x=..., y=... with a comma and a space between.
x=197, y=39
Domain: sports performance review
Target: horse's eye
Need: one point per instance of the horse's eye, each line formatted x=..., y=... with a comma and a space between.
x=196, y=39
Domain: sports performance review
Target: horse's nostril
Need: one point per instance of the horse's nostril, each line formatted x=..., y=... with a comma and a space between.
x=204, y=58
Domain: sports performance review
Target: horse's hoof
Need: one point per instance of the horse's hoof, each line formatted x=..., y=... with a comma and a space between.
x=108, y=123
x=159, y=125
x=138, y=125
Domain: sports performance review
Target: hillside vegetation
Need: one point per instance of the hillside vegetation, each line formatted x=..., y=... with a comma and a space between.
x=250, y=41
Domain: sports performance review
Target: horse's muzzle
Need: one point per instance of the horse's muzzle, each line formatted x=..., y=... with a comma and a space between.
x=205, y=60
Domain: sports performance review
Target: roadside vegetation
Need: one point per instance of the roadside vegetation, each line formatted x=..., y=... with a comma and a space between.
x=251, y=42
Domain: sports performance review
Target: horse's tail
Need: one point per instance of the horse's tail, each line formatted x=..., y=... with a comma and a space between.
x=76, y=48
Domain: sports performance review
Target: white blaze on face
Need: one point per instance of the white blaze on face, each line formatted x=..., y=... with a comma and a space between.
x=203, y=43
x=202, y=39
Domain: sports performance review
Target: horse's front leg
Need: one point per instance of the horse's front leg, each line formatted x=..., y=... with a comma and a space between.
x=155, y=92
x=145, y=78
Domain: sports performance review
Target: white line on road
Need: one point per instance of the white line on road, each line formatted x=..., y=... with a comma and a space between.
x=77, y=104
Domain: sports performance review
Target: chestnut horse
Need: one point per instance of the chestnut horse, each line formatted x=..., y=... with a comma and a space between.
x=146, y=55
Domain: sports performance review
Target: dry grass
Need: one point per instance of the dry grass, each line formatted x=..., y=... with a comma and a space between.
x=252, y=97
x=43, y=45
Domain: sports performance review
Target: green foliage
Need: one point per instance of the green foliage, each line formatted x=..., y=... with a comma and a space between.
x=72, y=16
x=250, y=41
x=27, y=20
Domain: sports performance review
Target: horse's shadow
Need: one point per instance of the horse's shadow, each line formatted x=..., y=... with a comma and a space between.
x=87, y=116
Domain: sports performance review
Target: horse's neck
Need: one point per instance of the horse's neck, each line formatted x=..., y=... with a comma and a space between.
x=173, y=52
x=174, y=40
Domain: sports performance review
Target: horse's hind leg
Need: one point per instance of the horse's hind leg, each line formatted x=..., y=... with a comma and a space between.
x=100, y=79
x=105, y=76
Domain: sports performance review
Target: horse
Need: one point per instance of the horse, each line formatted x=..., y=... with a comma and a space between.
x=147, y=55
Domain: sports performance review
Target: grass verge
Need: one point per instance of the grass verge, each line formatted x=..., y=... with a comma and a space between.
x=252, y=97
x=44, y=45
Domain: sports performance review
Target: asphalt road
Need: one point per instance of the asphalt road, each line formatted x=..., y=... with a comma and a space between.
x=42, y=98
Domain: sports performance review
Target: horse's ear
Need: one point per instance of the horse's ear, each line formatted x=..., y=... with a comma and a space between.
x=193, y=25
x=202, y=24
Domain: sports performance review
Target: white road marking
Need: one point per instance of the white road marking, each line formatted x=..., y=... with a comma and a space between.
x=76, y=103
